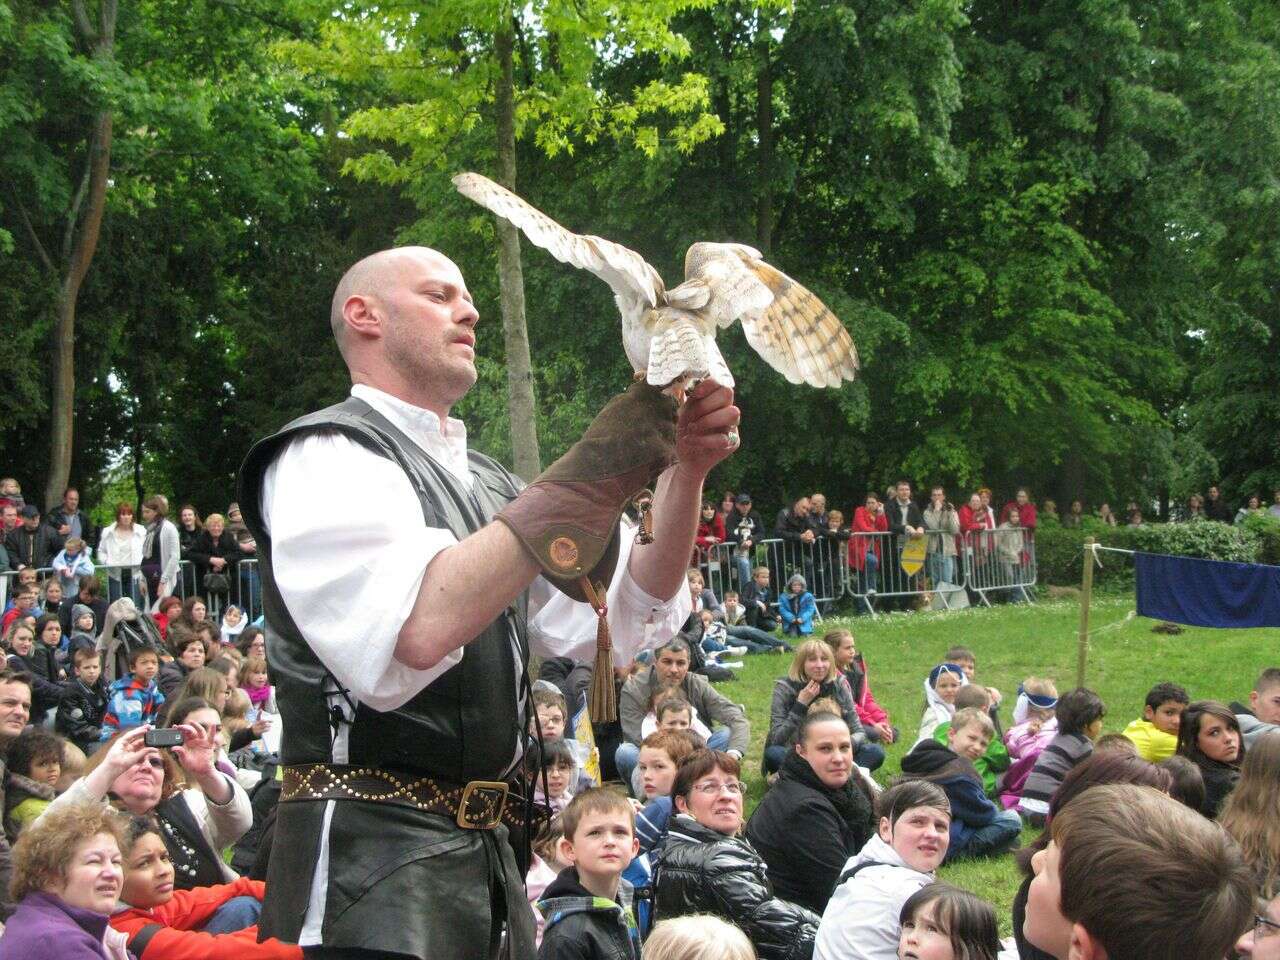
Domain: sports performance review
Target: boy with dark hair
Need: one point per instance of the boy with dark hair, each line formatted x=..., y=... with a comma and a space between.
x=978, y=826
x=24, y=604
x=84, y=701
x=1155, y=735
x=35, y=764
x=1262, y=715
x=1112, y=846
x=135, y=698
x=995, y=759
x=588, y=906
x=1079, y=714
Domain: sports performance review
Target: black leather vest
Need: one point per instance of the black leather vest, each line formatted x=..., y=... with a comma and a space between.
x=463, y=726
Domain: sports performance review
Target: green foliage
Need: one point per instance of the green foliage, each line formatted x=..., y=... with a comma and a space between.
x=1060, y=551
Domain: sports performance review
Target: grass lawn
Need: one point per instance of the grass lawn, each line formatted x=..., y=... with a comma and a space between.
x=1012, y=643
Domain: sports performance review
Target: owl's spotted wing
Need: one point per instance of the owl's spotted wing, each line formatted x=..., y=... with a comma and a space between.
x=797, y=334
x=629, y=275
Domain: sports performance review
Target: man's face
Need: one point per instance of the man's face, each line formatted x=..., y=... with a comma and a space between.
x=904, y=492
x=937, y=495
x=1213, y=493
x=1166, y=717
x=71, y=501
x=10, y=516
x=429, y=323
x=802, y=507
x=1045, y=926
x=15, y=708
x=969, y=741
x=1262, y=942
x=818, y=503
x=672, y=666
x=31, y=523
x=743, y=508
x=1266, y=705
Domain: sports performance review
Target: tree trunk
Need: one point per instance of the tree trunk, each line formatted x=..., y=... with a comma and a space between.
x=79, y=244
x=82, y=234
x=521, y=405
x=765, y=156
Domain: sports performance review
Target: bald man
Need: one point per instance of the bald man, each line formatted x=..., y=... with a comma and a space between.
x=399, y=635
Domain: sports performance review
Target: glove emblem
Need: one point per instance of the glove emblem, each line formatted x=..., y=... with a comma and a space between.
x=563, y=553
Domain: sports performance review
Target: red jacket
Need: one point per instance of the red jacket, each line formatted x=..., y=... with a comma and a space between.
x=970, y=522
x=862, y=523
x=715, y=528
x=176, y=938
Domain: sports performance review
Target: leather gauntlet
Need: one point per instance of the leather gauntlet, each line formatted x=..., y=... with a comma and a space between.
x=568, y=517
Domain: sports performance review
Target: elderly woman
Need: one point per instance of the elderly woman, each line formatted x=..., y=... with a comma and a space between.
x=704, y=867
x=197, y=819
x=67, y=876
x=818, y=815
x=161, y=551
x=216, y=556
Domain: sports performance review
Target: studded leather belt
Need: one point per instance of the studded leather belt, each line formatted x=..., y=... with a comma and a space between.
x=478, y=805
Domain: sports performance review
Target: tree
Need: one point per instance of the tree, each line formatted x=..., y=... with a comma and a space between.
x=66, y=174
x=465, y=80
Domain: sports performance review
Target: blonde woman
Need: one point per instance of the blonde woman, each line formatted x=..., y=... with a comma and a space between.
x=813, y=674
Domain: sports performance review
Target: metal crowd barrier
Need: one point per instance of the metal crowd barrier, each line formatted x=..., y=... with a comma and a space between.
x=821, y=563
x=997, y=560
x=875, y=568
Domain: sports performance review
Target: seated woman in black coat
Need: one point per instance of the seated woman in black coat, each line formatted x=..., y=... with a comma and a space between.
x=816, y=816
x=704, y=867
x=1209, y=736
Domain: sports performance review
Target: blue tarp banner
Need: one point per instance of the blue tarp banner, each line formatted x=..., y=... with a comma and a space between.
x=1207, y=593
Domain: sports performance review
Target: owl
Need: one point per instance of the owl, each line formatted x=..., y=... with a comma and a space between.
x=670, y=335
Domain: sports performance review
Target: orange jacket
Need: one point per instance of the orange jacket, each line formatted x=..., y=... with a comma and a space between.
x=166, y=932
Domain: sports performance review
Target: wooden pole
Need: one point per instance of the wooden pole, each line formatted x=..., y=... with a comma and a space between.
x=1086, y=592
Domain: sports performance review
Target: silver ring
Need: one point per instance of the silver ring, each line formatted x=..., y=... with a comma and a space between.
x=732, y=438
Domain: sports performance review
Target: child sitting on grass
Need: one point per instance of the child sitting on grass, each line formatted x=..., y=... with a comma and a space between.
x=978, y=827
x=35, y=765
x=660, y=756
x=995, y=760
x=669, y=710
x=942, y=922
x=1079, y=713
x=797, y=608
x=134, y=699
x=940, y=689
x=852, y=666
x=588, y=906
x=1155, y=735
x=968, y=662
x=1034, y=728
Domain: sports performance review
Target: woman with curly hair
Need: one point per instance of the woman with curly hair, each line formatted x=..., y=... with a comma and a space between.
x=67, y=876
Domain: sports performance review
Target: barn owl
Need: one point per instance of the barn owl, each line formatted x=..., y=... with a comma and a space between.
x=669, y=335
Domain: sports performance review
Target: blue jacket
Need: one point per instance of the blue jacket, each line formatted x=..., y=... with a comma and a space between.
x=959, y=780
x=131, y=703
x=797, y=612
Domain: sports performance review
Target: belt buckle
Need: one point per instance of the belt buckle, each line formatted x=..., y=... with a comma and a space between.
x=480, y=807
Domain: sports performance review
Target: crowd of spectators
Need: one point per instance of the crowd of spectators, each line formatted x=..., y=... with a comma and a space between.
x=138, y=740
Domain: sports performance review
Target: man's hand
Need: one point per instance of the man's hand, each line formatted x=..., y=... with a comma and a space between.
x=808, y=536
x=706, y=431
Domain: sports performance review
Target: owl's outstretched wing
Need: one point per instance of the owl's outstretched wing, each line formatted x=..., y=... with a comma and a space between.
x=784, y=322
x=633, y=281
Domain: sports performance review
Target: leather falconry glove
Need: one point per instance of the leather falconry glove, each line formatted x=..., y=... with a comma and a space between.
x=568, y=517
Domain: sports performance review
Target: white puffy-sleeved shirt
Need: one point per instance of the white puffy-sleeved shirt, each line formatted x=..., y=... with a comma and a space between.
x=350, y=547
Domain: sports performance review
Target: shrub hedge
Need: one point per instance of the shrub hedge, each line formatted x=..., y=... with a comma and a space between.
x=1059, y=551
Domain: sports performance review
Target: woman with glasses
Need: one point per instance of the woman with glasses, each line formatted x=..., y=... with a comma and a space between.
x=1262, y=941
x=705, y=867
x=200, y=809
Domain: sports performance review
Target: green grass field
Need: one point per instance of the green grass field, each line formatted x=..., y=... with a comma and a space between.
x=1012, y=643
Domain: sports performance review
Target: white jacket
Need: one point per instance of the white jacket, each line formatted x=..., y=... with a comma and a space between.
x=861, y=919
x=110, y=553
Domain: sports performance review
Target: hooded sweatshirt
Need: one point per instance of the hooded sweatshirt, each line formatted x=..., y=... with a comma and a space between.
x=959, y=779
x=582, y=925
x=1251, y=728
x=861, y=919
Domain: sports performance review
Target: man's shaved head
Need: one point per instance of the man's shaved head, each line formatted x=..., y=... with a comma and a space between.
x=371, y=278
x=405, y=324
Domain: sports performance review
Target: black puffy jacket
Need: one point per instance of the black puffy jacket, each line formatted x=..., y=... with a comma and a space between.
x=698, y=870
